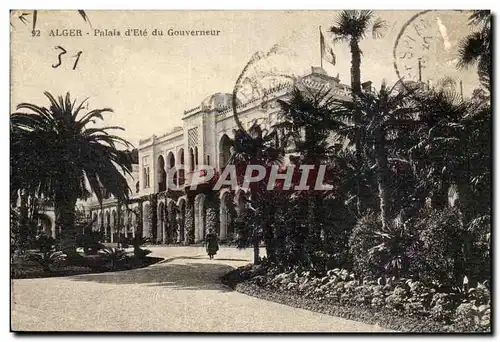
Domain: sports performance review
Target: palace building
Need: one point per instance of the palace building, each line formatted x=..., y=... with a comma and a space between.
x=183, y=215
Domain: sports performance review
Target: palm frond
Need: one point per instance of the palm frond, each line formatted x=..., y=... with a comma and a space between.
x=379, y=28
x=470, y=50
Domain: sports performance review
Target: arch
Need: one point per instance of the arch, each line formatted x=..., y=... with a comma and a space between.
x=95, y=224
x=172, y=233
x=225, y=215
x=239, y=200
x=181, y=217
x=196, y=157
x=47, y=224
x=224, y=151
x=161, y=223
x=181, y=158
x=113, y=225
x=132, y=222
x=113, y=218
x=199, y=217
x=101, y=222
x=146, y=227
x=107, y=227
x=170, y=160
x=161, y=174
x=191, y=159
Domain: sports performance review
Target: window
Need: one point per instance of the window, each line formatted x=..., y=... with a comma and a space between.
x=105, y=194
x=145, y=172
x=191, y=159
x=137, y=187
x=146, y=180
x=208, y=159
x=196, y=156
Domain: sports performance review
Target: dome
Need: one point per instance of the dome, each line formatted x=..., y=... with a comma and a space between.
x=217, y=101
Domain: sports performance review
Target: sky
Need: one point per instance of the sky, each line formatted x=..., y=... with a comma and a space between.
x=150, y=80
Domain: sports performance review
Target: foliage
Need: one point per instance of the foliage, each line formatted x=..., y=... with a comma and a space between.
x=465, y=311
x=152, y=217
x=90, y=241
x=15, y=239
x=141, y=253
x=54, y=154
x=45, y=243
x=361, y=241
x=476, y=47
x=113, y=256
x=189, y=222
x=212, y=218
x=47, y=258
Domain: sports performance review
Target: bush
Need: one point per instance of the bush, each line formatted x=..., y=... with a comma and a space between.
x=45, y=243
x=140, y=253
x=47, y=259
x=409, y=299
x=439, y=254
x=113, y=256
x=361, y=241
x=90, y=242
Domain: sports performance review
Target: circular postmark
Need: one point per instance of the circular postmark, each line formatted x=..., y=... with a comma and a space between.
x=426, y=48
x=263, y=77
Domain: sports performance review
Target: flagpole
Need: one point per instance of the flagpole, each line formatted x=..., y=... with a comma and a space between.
x=320, y=49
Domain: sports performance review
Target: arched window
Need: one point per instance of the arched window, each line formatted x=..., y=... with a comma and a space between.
x=208, y=159
x=196, y=156
x=224, y=151
x=181, y=171
x=191, y=157
x=162, y=174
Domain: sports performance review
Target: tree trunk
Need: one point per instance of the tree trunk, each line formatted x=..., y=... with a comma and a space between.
x=382, y=177
x=118, y=224
x=356, y=90
x=256, y=251
x=269, y=238
x=23, y=219
x=270, y=242
x=64, y=208
x=355, y=67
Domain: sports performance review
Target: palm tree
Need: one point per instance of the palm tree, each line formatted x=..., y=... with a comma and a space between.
x=255, y=147
x=55, y=155
x=307, y=117
x=352, y=26
x=382, y=113
x=476, y=47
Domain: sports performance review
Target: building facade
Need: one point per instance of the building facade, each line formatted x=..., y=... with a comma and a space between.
x=183, y=215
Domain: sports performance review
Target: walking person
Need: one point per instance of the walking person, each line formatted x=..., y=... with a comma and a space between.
x=212, y=244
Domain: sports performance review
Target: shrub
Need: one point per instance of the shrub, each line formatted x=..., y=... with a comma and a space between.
x=114, y=256
x=140, y=253
x=361, y=241
x=47, y=259
x=45, y=243
x=90, y=242
x=456, y=310
x=438, y=256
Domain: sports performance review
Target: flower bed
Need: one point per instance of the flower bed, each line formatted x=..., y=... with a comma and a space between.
x=402, y=305
x=22, y=268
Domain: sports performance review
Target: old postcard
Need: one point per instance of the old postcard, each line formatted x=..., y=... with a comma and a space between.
x=222, y=171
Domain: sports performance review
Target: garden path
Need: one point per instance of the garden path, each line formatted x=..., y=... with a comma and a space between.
x=181, y=294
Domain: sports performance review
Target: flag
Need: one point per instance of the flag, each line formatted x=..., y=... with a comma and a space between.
x=327, y=53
